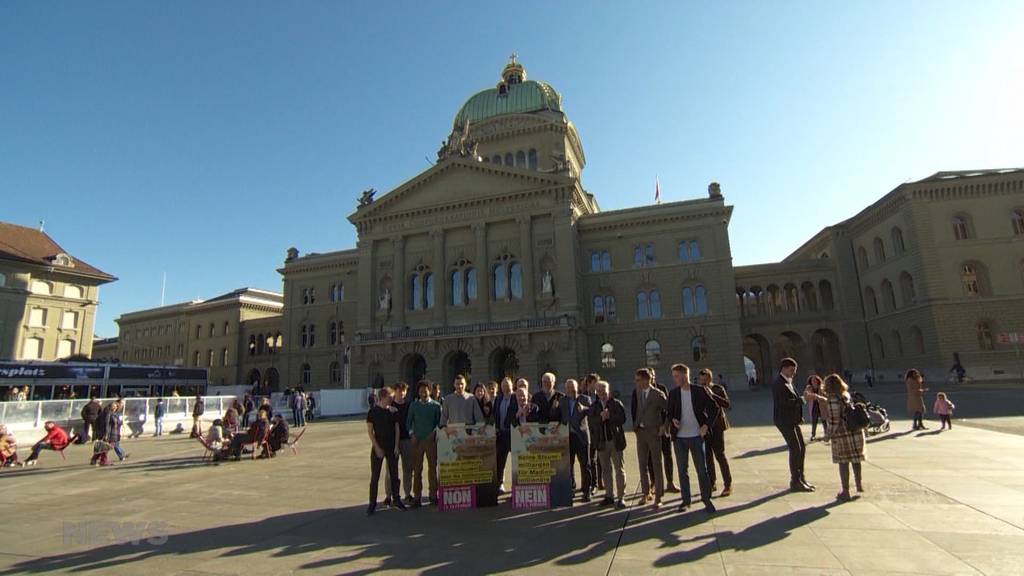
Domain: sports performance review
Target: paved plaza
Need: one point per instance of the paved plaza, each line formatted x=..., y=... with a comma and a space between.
x=936, y=503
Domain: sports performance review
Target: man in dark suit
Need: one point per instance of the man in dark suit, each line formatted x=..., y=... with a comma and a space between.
x=573, y=410
x=607, y=417
x=648, y=423
x=787, y=413
x=505, y=408
x=714, y=442
x=590, y=390
x=691, y=412
x=547, y=399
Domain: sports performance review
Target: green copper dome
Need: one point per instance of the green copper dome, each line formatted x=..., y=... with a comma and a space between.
x=513, y=95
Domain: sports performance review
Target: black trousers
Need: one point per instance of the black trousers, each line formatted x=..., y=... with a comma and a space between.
x=714, y=449
x=794, y=438
x=579, y=450
x=375, y=469
x=86, y=426
x=504, y=446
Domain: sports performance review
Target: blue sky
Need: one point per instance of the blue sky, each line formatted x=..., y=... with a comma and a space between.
x=203, y=139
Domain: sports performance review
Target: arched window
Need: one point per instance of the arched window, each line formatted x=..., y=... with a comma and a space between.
x=456, y=288
x=898, y=246
x=699, y=347
x=688, y=308
x=774, y=300
x=879, y=346
x=907, y=290
x=269, y=341
x=607, y=355
x=1017, y=219
x=416, y=292
x=509, y=161
x=304, y=337
x=888, y=296
x=643, y=309
x=515, y=280
x=500, y=282
x=694, y=251
x=810, y=296
x=609, y=307
x=917, y=339
x=521, y=159
x=306, y=375
x=792, y=298
x=496, y=159
x=655, y=299
x=598, y=309
x=652, y=352
x=684, y=251
x=428, y=290
x=595, y=261
x=870, y=302
x=961, y=228
x=279, y=340
x=827, y=300
x=252, y=345
x=971, y=279
x=985, y=341
x=606, y=261
x=862, y=258
x=335, y=372
x=531, y=159
x=897, y=342
x=700, y=300
x=649, y=255
x=213, y=330
x=209, y=358
x=879, y=250
x=470, y=284
x=227, y=328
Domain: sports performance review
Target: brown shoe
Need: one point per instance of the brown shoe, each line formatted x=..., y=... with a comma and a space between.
x=727, y=491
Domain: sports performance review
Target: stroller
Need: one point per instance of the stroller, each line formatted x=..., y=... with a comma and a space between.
x=878, y=417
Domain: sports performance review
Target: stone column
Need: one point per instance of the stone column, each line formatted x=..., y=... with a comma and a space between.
x=483, y=272
x=367, y=289
x=566, y=251
x=440, y=271
x=526, y=237
x=398, y=283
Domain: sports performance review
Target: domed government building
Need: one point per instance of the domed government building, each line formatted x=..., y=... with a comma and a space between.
x=497, y=261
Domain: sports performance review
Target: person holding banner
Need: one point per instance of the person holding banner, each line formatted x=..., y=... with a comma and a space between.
x=691, y=411
x=382, y=428
x=461, y=407
x=607, y=417
x=649, y=425
x=422, y=421
x=573, y=410
x=547, y=399
x=526, y=412
x=505, y=408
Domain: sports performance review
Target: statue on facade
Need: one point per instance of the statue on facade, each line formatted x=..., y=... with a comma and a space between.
x=367, y=198
x=385, y=300
x=714, y=190
x=547, y=283
x=559, y=164
x=458, y=144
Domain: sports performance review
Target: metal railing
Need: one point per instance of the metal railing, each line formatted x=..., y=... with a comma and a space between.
x=31, y=414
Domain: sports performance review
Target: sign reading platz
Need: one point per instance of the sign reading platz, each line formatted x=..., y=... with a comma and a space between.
x=467, y=460
x=540, y=466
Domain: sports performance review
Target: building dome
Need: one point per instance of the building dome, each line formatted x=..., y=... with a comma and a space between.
x=513, y=95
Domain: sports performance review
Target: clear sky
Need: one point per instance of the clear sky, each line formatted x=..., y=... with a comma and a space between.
x=202, y=139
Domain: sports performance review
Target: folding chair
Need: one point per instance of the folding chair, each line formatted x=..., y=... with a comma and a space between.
x=263, y=443
x=293, y=443
x=208, y=453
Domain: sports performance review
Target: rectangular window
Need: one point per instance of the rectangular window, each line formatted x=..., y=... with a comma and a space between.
x=37, y=318
x=65, y=348
x=69, y=320
x=32, y=349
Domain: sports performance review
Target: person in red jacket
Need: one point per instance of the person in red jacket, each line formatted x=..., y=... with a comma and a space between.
x=56, y=439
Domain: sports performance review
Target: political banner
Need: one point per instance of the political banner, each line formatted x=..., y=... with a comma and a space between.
x=541, y=477
x=466, y=460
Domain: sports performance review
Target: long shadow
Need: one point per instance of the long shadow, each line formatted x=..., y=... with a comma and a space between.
x=932, y=433
x=889, y=436
x=762, y=452
x=344, y=538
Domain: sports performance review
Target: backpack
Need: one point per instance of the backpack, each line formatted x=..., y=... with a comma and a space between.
x=855, y=416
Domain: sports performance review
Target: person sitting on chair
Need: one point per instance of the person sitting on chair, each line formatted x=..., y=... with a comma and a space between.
x=56, y=439
x=254, y=435
x=8, y=447
x=278, y=434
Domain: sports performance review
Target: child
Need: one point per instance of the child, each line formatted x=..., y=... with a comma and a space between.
x=944, y=408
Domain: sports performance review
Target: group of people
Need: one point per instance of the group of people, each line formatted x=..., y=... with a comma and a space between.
x=689, y=420
x=103, y=422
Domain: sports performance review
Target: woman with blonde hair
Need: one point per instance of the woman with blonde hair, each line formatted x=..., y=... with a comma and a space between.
x=847, y=446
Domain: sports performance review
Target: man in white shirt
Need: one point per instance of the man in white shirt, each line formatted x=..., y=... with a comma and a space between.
x=691, y=412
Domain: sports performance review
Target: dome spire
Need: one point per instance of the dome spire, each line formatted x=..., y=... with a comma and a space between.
x=514, y=73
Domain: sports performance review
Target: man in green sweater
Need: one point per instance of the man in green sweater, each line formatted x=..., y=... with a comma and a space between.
x=423, y=419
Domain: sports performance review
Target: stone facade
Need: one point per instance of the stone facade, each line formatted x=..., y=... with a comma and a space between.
x=498, y=261
x=48, y=298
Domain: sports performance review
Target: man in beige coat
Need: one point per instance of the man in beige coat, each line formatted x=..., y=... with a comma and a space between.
x=648, y=423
